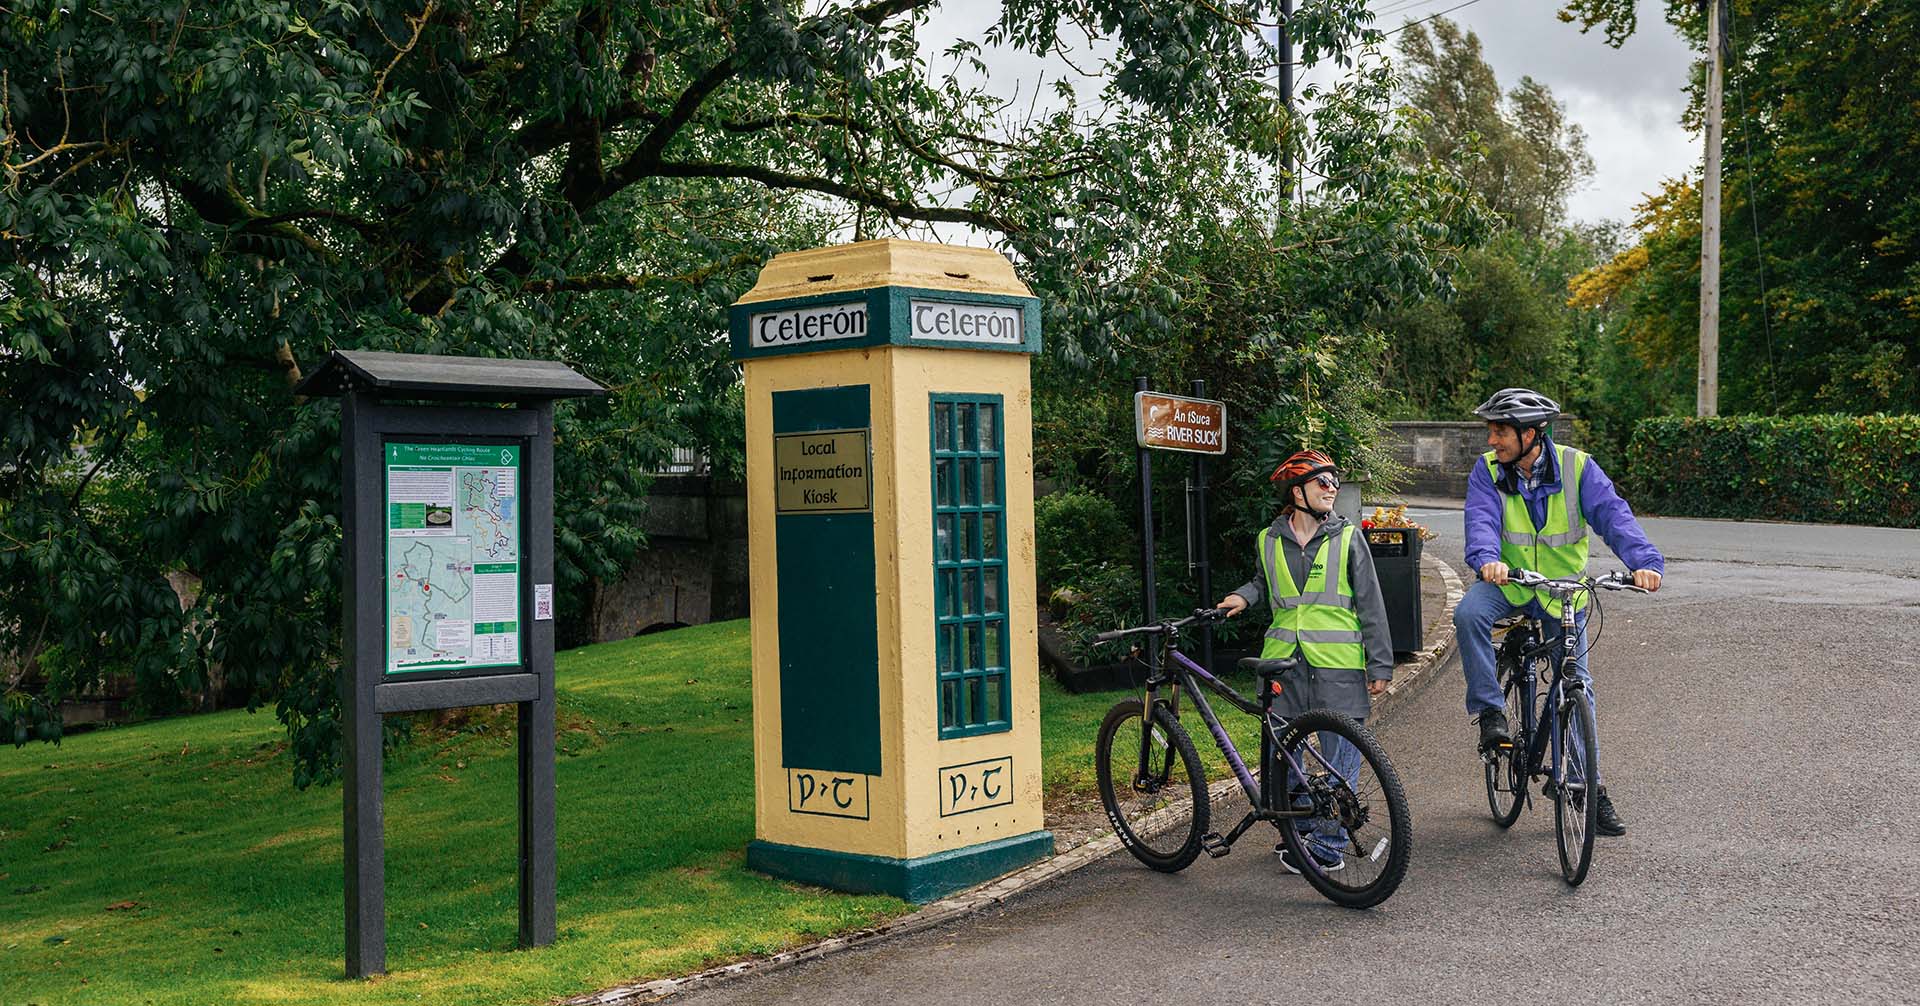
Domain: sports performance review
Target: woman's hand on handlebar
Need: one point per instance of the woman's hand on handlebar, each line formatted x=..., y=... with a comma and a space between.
x=1646, y=580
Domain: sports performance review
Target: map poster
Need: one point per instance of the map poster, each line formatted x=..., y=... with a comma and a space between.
x=453, y=556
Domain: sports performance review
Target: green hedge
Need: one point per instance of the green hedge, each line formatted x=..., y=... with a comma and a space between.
x=1833, y=469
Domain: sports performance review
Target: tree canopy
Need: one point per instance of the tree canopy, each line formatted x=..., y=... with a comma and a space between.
x=1820, y=220
x=199, y=200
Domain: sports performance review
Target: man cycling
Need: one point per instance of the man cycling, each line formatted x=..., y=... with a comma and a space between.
x=1529, y=504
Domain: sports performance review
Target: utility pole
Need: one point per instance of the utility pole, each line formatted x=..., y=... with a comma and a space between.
x=1708, y=400
x=1286, y=104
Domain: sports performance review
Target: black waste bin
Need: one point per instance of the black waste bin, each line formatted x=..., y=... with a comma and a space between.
x=1396, y=560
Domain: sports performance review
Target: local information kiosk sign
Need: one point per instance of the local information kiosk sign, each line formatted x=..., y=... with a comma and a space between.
x=453, y=557
x=1169, y=422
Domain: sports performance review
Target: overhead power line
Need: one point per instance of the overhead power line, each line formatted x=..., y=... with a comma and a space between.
x=1430, y=17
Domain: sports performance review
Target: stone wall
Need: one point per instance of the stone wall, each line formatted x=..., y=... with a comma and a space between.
x=1438, y=455
x=694, y=569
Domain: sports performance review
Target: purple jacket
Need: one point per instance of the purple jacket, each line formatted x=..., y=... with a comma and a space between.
x=1607, y=514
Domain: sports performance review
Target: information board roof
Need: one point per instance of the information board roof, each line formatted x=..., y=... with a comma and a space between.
x=469, y=378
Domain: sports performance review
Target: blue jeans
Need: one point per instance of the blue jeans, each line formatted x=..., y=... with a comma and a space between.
x=1324, y=834
x=1473, y=632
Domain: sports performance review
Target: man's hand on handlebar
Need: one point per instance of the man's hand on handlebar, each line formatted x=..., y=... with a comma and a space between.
x=1232, y=604
x=1494, y=573
x=1646, y=580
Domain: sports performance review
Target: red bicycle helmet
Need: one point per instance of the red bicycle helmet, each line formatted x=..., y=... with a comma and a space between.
x=1301, y=466
x=1296, y=470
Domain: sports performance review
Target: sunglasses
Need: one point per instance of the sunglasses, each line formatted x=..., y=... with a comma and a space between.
x=1326, y=481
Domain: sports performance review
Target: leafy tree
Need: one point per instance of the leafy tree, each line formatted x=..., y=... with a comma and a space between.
x=1276, y=308
x=1518, y=152
x=198, y=201
x=1501, y=319
x=1818, y=211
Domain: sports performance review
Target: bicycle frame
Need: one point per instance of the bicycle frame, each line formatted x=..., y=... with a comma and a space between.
x=1545, y=739
x=1184, y=673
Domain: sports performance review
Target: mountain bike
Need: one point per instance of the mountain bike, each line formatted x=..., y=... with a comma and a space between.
x=1349, y=831
x=1553, y=733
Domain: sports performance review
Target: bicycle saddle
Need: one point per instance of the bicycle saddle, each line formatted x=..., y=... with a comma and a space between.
x=1268, y=668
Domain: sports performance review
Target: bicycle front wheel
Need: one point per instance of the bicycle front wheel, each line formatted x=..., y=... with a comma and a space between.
x=1155, y=792
x=1355, y=848
x=1575, y=796
x=1506, y=774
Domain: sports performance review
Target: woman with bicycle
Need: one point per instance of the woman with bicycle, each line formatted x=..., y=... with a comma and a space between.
x=1529, y=505
x=1327, y=613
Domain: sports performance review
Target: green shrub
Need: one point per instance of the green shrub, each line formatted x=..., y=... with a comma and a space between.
x=1074, y=532
x=1834, y=469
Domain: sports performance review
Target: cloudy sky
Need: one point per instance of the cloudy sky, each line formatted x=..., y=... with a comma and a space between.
x=1628, y=100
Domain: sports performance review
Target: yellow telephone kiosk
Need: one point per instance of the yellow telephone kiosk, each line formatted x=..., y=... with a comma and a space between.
x=896, y=706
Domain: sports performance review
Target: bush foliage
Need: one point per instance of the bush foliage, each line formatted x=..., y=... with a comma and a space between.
x=1839, y=469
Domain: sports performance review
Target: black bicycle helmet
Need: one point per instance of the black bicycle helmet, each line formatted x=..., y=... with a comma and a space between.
x=1519, y=408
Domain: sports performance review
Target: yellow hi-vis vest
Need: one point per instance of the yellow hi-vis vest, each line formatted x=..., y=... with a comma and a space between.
x=1317, y=620
x=1557, y=550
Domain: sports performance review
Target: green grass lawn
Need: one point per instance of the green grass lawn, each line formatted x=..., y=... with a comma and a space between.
x=173, y=862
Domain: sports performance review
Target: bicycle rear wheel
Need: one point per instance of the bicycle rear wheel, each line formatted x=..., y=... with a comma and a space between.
x=1158, y=805
x=1575, y=805
x=1362, y=837
x=1506, y=773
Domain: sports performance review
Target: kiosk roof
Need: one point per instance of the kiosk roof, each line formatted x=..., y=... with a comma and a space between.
x=470, y=378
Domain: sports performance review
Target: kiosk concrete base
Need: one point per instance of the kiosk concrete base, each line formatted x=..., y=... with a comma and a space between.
x=917, y=880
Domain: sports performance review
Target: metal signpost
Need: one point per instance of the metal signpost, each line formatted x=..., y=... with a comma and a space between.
x=1196, y=426
x=447, y=587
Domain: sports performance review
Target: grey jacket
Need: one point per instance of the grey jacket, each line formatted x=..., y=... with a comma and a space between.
x=1344, y=691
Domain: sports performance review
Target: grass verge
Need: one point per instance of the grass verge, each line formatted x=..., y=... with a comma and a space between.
x=173, y=862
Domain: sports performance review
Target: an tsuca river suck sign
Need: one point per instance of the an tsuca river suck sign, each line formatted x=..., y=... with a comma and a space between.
x=1169, y=422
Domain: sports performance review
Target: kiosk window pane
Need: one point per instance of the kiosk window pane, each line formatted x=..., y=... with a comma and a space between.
x=942, y=426
x=943, y=544
x=969, y=555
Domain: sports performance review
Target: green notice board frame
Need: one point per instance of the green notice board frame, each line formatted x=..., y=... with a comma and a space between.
x=456, y=557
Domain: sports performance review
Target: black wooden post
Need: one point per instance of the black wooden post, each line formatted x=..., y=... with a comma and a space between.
x=365, y=848
x=538, y=866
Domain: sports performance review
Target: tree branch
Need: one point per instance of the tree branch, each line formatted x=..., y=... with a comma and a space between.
x=657, y=139
x=624, y=281
x=419, y=25
x=827, y=186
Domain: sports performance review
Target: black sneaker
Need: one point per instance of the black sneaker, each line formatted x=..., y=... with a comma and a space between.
x=1493, y=729
x=1606, y=821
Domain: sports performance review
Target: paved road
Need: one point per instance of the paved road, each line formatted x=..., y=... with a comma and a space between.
x=1758, y=719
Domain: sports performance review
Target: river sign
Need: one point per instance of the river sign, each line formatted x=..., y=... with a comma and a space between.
x=1169, y=422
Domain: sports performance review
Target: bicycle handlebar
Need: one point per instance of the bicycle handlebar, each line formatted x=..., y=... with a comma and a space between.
x=1165, y=625
x=1616, y=580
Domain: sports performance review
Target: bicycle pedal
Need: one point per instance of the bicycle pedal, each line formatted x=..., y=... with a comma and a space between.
x=1214, y=845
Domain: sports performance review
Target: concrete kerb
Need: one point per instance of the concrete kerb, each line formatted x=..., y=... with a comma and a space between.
x=1410, y=678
